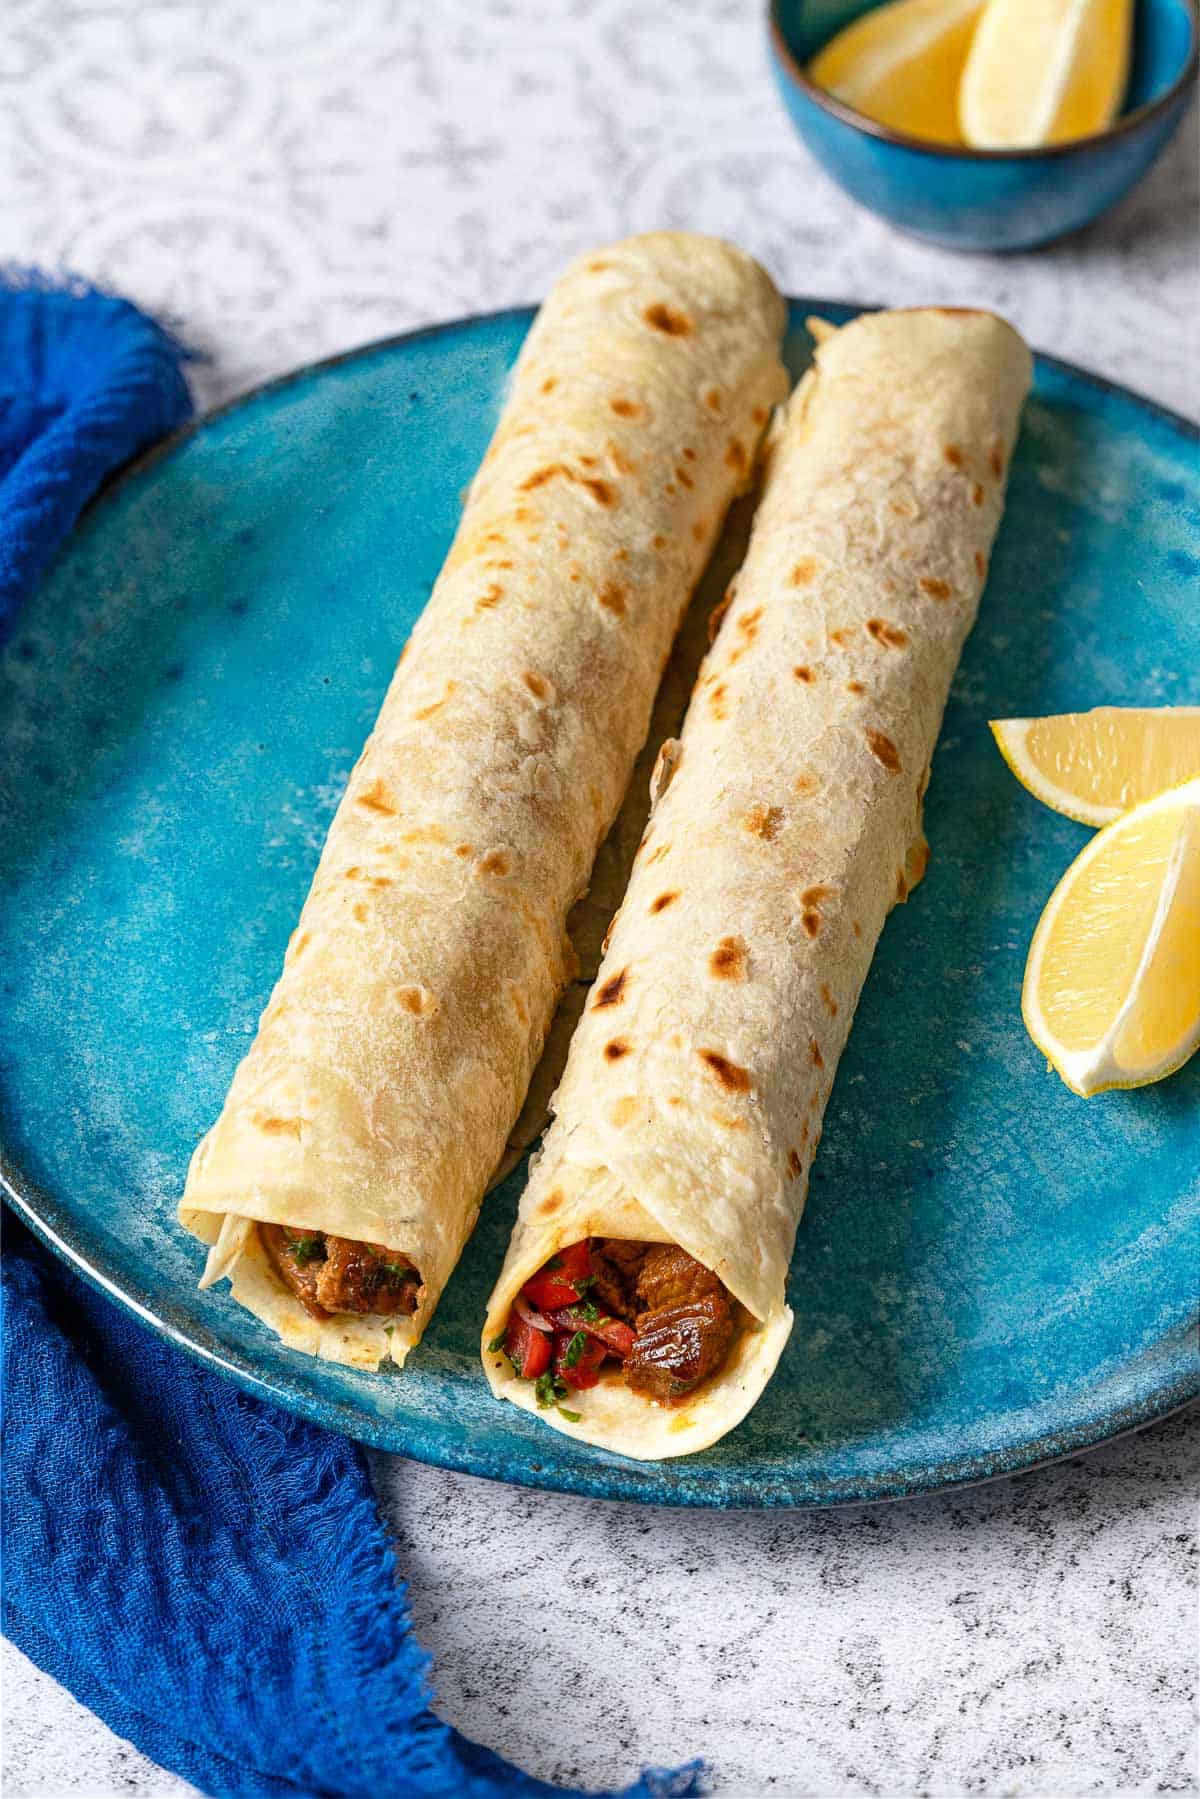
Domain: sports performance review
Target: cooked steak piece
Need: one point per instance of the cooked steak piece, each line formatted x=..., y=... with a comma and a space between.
x=685, y=1326
x=616, y=1265
x=297, y=1257
x=336, y=1274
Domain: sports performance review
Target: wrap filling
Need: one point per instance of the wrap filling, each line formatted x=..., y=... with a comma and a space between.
x=650, y=1307
x=335, y=1274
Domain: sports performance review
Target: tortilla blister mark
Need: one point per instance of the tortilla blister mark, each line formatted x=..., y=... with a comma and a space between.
x=794, y=824
x=395, y=1053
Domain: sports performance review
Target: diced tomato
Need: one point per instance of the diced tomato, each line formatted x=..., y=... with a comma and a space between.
x=527, y=1349
x=617, y=1337
x=562, y=1280
x=584, y=1371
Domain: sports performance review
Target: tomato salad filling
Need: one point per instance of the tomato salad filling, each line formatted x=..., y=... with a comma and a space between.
x=650, y=1307
x=335, y=1274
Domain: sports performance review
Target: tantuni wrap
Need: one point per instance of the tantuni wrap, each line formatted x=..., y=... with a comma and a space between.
x=347, y=1167
x=642, y=1304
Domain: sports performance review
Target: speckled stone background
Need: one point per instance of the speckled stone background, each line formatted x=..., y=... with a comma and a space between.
x=287, y=180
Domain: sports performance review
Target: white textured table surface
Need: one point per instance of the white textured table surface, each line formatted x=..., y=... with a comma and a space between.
x=288, y=180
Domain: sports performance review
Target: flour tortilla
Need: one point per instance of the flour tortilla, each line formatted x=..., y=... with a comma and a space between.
x=395, y=1051
x=787, y=822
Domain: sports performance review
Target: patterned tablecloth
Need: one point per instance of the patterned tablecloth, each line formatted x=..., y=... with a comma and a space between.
x=290, y=179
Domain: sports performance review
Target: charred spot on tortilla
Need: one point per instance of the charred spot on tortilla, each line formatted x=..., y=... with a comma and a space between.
x=668, y=319
x=814, y=1050
x=747, y=623
x=794, y=1163
x=417, y=1000
x=890, y=637
x=764, y=821
x=714, y=400
x=663, y=901
x=953, y=455
x=831, y=1004
x=803, y=673
x=884, y=751
x=612, y=598
x=495, y=863
x=717, y=698
x=625, y=409
x=540, y=476
x=731, y=1077
x=716, y=617
x=996, y=459
x=855, y=687
x=803, y=572
x=536, y=685
x=612, y=991
x=728, y=960
x=736, y=456
x=616, y=1048
x=977, y=494
x=549, y=384
x=841, y=638
x=378, y=797
x=936, y=588
x=981, y=565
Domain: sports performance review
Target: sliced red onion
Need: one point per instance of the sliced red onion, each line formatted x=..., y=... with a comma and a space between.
x=523, y=1309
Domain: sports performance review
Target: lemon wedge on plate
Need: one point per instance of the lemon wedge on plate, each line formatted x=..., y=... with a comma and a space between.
x=1044, y=71
x=1095, y=765
x=901, y=63
x=1112, y=984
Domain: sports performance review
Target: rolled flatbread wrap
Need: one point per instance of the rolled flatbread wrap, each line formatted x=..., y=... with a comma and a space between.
x=348, y=1164
x=642, y=1301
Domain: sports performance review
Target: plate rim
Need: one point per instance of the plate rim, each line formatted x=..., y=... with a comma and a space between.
x=614, y=1481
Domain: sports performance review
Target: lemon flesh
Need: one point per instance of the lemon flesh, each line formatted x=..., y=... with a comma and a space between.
x=1044, y=71
x=1096, y=765
x=900, y=64
x=1112, y=984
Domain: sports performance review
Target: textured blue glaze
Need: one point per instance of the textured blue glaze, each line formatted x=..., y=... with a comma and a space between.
x=967, y=201
x=990, y=1271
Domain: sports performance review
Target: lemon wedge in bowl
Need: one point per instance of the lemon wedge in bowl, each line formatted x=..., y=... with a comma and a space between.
x=1044, y=71
x=1112, y=984
x=900, y=64
x=1095, y=765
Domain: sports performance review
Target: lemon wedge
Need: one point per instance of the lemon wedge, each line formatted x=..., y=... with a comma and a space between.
x=1112, y=984
x=1044, y=71
x=901, y=63
x=1095, y=765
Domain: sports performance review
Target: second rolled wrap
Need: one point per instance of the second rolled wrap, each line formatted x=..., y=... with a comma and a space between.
x=787, y=823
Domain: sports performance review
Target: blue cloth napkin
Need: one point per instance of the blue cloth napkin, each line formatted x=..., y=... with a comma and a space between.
x=208, y=1574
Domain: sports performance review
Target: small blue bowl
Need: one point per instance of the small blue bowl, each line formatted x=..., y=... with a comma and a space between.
x=986, y=199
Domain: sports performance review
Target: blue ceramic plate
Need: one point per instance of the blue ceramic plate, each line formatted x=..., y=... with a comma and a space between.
x=990, y=1271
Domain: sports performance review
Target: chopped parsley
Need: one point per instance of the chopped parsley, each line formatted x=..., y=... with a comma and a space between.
x=572, y=1417
x=549, y=1389
x=555, y=1262
x=574, y=1349
x=306, y=1249
x=583, y=1283
x=588, y=1312
x=497, y=1342
x=400, y=1271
